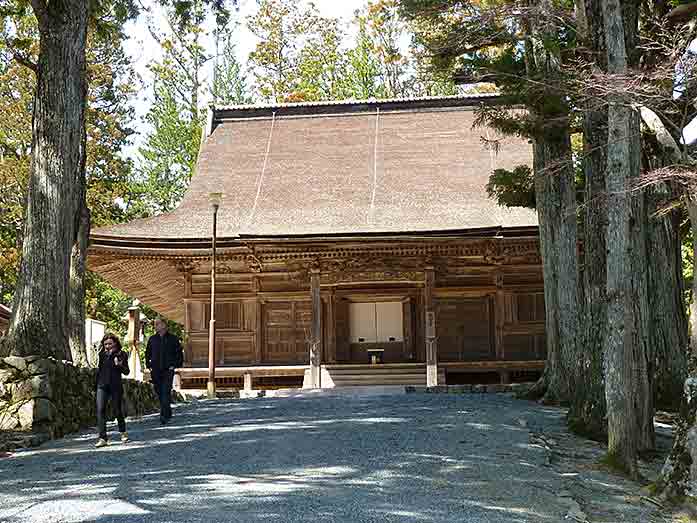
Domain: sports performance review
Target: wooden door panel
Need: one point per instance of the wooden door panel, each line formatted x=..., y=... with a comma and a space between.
x=464, y=329
x=286, y=330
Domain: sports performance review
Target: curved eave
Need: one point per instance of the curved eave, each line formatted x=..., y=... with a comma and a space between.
x=186, y=247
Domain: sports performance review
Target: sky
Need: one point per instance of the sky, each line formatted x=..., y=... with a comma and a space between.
x=143, y=49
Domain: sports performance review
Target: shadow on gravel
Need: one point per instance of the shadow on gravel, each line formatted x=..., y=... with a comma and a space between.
x=408, y=458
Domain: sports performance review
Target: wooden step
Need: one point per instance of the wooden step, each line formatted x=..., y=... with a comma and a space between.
x=395, y=374
x=363, y=366
x=378, y=377
x=378, y=372
x=412, y=381
x=377, y=381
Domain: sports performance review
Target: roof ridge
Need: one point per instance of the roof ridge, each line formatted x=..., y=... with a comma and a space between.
x=353, y=101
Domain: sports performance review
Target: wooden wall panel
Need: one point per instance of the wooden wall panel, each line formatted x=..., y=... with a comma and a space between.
x=196, y=316
x=199, y=352
x=343, y=347
x=286, y=331
x=229, y=315
x=238, y=351
x=530, y=307
x=464, y=329
x=523, y=346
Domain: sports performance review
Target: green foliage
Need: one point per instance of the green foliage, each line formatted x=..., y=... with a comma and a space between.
x=301, y=57
x=168, y=156
x=322, y=63
x=106, y=303
x=229, y=83
x=279, y=25
x=363, y=69
x=514, y=188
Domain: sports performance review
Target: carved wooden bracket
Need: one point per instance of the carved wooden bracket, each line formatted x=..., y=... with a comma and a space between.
x=254, y=263
x=186, y=266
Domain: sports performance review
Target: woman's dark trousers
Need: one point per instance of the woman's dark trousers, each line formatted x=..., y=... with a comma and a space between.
x=104, y=392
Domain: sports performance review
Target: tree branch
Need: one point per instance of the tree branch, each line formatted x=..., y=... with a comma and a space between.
x=26, y=62
x=682, y=12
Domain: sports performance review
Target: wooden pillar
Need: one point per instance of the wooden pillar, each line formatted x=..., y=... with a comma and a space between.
x=330, y=354
x=316, y=337
x=258, y=323
x=431, y=341
x=499, y=317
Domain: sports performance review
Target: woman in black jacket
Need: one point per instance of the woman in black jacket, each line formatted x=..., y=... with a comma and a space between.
x=113, y=362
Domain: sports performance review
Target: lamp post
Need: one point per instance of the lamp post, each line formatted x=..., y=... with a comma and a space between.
x=215, y=199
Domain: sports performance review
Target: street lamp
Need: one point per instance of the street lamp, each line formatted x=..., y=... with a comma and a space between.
x=215, y=198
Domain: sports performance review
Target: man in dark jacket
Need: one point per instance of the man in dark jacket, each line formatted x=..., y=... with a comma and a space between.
x=113, y=362
x=162, y=356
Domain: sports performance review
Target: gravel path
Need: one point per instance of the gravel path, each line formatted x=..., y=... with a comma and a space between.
x=309, y=458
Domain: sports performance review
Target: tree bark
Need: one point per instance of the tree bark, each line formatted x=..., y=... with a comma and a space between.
x=624, y=343
x=679, y=475
x=78, y=266
x=555, y=196
x=668, y=328
x=39, y=323
x=588, y=408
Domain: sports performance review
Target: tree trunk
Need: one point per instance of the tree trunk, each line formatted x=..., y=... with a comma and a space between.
x=668, y=329
x=39, y=322
x=679, y=475
x=640, y=315
x=78, y=263
x=555, y=195
x=588, y=408
x=624, y=350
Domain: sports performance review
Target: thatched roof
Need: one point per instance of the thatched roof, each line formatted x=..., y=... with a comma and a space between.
x=342, y=168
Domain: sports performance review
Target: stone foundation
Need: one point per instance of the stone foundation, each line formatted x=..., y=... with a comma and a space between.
x=46, y=398
x=474, y=389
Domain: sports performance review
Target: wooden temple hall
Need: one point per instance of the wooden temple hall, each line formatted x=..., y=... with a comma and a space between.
x=355, y=245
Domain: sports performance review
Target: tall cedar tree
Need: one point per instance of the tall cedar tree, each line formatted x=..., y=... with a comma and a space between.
x=521, y=50
x=56, y=198
x=111, y=86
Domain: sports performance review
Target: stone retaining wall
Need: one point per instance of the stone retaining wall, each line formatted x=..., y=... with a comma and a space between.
x=46, y=398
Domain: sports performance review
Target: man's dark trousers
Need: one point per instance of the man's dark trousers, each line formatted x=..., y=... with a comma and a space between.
x=162, y=381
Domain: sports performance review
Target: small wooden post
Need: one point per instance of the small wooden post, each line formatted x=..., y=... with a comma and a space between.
x=133, y=340
x=133, y=336
x=247, y=381
x=316, y=336
x=431, y=342
x=499, y=316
